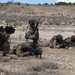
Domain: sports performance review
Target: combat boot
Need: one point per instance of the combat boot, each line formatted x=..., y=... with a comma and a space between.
x=4, y=54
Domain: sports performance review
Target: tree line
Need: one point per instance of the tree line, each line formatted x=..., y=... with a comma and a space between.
x=58, y=3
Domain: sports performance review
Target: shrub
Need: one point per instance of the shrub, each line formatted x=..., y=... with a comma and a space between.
x=63, y=3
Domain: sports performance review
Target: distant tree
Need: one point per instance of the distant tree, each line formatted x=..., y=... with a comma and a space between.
x=70, y=3
x=39, y=3
x=18, y=3
x=27, y=4
x=45, y=4
x=73, y=3
x=63, y=3
x=9, y=2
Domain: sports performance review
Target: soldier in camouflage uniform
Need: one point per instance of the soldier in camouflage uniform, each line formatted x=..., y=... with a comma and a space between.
x=70, y=41
x=4, y=38
x=53, y=42
x=4, y=43
x=30, y=46
x=57, y=42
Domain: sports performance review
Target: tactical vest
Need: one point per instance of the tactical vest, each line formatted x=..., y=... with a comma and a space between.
x=3, y=37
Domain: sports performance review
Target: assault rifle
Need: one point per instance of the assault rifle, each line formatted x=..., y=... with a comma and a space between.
x=37, y=23
x=36, y=26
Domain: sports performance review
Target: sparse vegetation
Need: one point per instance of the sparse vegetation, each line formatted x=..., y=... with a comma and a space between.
x=52, y=15
x=45, y=4
x=54, y=61
x=9, y=2
x=64, y=3
x=27, y=4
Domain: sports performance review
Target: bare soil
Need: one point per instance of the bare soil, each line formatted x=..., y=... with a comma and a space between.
x=53, y=62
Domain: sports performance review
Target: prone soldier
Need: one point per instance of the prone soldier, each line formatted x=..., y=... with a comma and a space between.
x=58, y=42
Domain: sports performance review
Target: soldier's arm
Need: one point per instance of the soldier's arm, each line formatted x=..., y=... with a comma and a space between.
x=36, y=34
x=2, y=35
x=28, y=35
x=7, y=36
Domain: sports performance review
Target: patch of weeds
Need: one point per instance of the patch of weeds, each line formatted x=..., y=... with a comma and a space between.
x=49, y=65
x=36, y=68
x=5, y=59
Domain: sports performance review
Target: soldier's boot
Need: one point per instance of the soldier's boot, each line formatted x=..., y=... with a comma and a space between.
x=4, y=54
x=40, y=55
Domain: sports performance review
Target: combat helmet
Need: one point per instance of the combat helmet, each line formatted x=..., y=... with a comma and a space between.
x=59, y=37
x=32, y=21
x=73, y=38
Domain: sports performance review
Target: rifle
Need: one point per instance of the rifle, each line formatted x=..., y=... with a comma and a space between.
x=36, y=26
x=36, y=33
x=37, y=23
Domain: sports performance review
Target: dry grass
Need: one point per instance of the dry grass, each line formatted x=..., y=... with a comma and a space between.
x=53, y=62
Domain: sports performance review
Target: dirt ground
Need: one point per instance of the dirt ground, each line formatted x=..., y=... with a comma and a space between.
x=53, y=62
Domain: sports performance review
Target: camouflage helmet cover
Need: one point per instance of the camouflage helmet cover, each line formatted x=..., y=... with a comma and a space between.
x=32, y=21
x=59, y=36
x=73, y=38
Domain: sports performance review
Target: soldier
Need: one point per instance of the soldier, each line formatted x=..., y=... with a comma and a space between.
x=32, y=32
x=70, y=41
x=31, y=43
x=53, y=42
x=4, y=43
x=57, y=42
x=4, y=38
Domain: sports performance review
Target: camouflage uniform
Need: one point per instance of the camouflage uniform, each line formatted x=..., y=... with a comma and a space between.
x=4, y=43
x=23, y=49
x=57, y=42
x=73, y=38
x=32, y=37
x=53, y=42
x=70, y=41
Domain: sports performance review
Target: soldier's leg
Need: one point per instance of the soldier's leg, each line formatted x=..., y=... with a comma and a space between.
x=13, y=50
x=38, y=51
x=6, y=48
x=20, y=52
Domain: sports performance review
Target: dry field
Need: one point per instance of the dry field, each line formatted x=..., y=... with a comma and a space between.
x=54, y=20
x=53, y=62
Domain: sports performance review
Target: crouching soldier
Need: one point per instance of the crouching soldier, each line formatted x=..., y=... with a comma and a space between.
x=33, y=34
x=30, y=46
